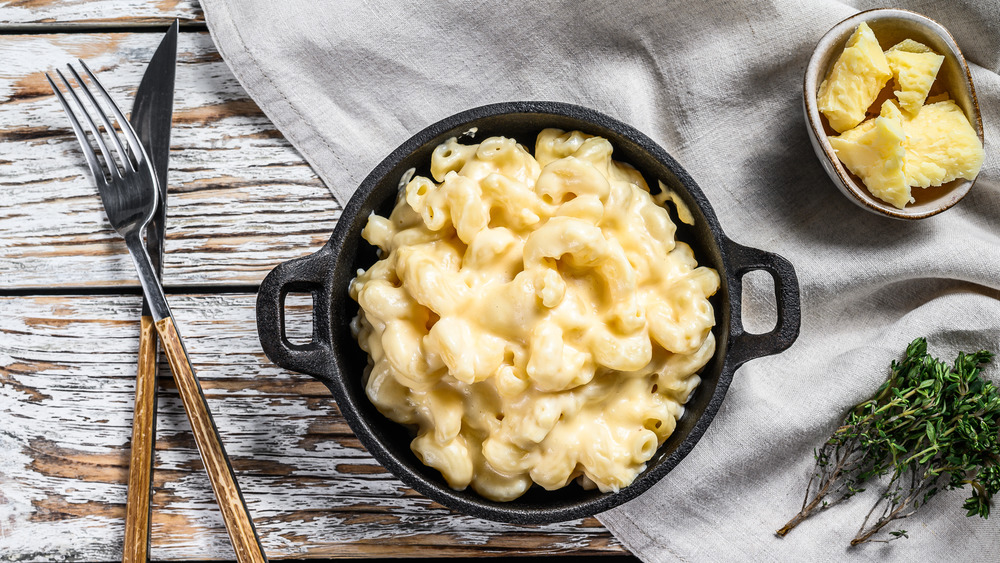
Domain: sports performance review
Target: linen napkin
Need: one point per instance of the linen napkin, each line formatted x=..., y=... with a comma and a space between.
x=718, y=84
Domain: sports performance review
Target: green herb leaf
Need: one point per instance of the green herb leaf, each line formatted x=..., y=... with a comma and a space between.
x=929, y=427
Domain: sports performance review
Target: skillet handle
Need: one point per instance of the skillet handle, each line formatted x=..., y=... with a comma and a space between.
x=745, y=346
x=306, y=274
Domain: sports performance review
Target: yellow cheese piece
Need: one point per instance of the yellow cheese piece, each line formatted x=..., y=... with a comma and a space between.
x=854, y=135
x=874, y=152
x=941, y=146
x=855, y=81
x=914, y=66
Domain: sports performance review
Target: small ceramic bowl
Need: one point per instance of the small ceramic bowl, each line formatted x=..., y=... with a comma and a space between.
x=891, y=27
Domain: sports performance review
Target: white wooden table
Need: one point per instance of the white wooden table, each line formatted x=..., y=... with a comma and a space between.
x=241, y=200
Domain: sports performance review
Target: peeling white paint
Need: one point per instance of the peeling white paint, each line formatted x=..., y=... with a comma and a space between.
x=282, y=431
x=241, y=199
x=89, y=12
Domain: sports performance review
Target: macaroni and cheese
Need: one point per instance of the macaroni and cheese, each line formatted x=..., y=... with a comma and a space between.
x=532, y=316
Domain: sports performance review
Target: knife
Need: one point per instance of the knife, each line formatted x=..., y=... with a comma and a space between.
x=150, y=117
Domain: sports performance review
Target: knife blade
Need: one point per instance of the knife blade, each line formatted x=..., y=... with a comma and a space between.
x=151, y=118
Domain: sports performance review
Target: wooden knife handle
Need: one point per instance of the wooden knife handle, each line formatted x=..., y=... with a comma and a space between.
x=227, y=492
x=140, y=468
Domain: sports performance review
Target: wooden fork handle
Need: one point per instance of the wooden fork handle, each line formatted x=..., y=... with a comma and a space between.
x=140, y=468
x=220, y=472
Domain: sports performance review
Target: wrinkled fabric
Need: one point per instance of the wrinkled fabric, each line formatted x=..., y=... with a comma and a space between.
x=719, y=86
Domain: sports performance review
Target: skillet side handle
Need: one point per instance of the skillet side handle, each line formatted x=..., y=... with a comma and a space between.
x=745, y=346
x=308, y=275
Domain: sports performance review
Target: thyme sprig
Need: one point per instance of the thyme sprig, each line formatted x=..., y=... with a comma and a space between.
x=930, y=426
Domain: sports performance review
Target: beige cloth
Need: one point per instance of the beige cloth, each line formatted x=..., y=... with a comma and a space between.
x=718, y=84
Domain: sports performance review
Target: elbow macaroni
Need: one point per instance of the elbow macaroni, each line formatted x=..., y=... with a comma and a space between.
x=532, y=316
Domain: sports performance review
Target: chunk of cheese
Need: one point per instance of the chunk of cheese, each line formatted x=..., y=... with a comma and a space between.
x=874, y=152
x=941, y=146
x=855, y=81
x=914, y=67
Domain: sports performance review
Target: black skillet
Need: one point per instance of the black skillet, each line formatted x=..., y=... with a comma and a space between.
x=333, y=356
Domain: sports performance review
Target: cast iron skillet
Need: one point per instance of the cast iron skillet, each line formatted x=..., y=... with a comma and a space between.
x=333, y=356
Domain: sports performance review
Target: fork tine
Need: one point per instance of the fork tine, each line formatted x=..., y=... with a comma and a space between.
x=126, y=162
x=88, y=151
x=126, y=127
x=105, y=152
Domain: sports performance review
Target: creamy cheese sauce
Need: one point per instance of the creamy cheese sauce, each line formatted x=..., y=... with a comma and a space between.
x=532, y=316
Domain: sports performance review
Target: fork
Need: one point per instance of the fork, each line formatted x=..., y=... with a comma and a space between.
x=128, y=189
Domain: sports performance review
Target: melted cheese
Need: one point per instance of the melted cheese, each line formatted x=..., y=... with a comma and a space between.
x=532, y=316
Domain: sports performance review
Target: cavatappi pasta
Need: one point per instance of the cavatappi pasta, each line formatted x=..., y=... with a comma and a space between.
x=532, y=316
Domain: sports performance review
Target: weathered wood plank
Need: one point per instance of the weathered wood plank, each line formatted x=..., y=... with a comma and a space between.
x=67, y=367
x=69, y=14
x=241, y=199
